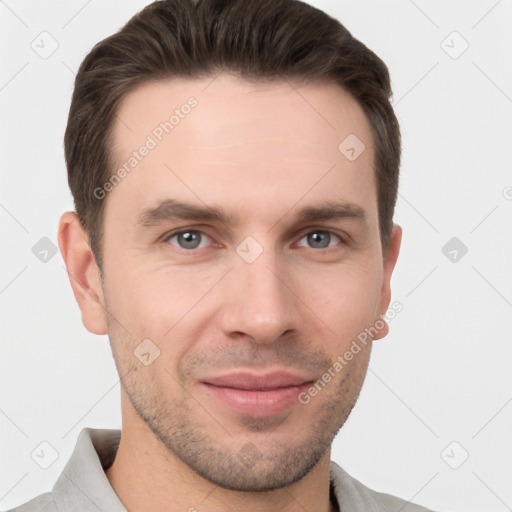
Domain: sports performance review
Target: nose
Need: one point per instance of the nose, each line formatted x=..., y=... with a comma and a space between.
x=259, y=301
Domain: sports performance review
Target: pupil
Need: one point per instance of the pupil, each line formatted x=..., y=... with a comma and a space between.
x=190, y=239
x=316, y=237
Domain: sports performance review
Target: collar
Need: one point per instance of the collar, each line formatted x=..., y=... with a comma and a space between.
x=83, y=486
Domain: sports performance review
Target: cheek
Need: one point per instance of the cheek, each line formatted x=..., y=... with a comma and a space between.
x=144, y=295
x=166, y=305
x=170, y=305
x=345, y=297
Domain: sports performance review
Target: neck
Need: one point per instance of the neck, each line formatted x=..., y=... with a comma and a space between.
x=147, y=477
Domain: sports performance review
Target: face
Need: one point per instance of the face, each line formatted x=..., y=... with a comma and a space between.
x=242, y=259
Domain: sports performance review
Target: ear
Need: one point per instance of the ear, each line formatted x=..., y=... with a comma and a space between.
x=83, y=273
x=389, y=264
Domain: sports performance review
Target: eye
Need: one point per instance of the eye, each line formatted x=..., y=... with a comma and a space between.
x=320, y=239
x=188, y=239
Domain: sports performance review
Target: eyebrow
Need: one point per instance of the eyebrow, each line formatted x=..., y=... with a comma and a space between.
x=174, y=209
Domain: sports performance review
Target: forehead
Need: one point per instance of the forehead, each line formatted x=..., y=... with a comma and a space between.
x=228, y=140
x=231, y=107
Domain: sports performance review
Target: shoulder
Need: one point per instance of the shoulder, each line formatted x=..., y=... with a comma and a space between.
x=42, y=503
x=391, y=503
x=350, y=490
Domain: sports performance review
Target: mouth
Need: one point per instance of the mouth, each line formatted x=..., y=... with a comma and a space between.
x=257, y=394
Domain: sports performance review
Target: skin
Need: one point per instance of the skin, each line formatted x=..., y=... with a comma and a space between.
x=261, y=152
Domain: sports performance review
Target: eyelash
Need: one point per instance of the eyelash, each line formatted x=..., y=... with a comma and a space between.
x=301, y=235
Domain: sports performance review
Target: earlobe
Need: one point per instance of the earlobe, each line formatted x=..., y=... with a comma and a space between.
x=390, y=259
x=83, y=273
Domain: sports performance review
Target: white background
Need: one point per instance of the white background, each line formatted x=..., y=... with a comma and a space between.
x=443, y=373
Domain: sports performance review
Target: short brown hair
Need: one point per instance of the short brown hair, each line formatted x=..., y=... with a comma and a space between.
x=261, y=40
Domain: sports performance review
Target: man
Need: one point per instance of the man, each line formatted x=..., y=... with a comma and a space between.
x=234, y=167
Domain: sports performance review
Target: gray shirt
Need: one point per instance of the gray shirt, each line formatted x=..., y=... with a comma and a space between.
x=83, y=486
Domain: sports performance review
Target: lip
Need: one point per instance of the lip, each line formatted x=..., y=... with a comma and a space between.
x=257, y=394
x=263, y=381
